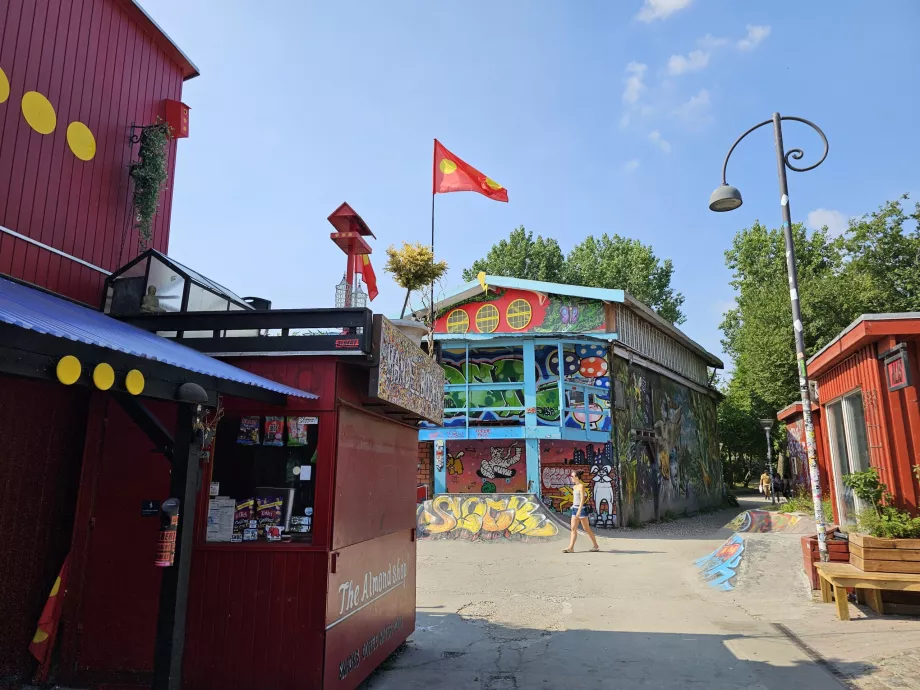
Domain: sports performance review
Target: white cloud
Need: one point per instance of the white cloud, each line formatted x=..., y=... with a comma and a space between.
x=694, y=61
x=655, y=137
x=709, y=42
x=836, y=222
x=625, y=119
x=660, y=9
x=755, y=35
x=695, y=111
x=631, y=165
x=634, y=80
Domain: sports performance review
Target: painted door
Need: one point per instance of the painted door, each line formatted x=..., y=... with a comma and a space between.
x=846, y=432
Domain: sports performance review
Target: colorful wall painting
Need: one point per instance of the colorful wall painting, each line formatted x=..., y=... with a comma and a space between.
x=502, y=365
x=557, y=461
x=797, y=455
x=519, y=517
x=719, y=568
x=586, y=367
x=668, y=450
x=520, y=311
x=486, y=467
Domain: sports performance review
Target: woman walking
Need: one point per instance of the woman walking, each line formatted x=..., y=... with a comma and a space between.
x=579, y=513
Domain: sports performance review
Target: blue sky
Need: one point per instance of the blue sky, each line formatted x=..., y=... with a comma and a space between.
x=596, y=116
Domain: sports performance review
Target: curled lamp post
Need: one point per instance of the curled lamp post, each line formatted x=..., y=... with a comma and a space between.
x=767, y=425
x=728, y=198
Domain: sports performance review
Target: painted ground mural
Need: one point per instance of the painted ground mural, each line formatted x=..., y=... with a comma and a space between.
x=669, y=460
x=485, y=467
x=485, y=518
x=720, y=568
x=514, y=311
x=558, y=459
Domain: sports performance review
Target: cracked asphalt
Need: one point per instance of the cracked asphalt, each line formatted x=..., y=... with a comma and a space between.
x=498, y=616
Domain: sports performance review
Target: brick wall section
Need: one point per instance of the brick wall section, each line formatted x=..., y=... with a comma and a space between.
x=426, y=465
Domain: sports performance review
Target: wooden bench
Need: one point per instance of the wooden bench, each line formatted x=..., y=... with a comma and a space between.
x=835, y=578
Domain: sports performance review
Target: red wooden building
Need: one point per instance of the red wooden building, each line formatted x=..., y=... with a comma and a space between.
x=867, y=381
x=104, y=414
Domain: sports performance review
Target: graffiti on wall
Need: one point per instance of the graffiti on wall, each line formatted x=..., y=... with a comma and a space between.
x=519, y=311
x=720, y=567
x=672, y=450
x=500, y=365
x=798, y=454
x=557, y=461
x=485, y=467
x=484, y=518
x=586, y=385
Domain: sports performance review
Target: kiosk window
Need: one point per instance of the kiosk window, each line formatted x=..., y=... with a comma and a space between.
x=263, y=479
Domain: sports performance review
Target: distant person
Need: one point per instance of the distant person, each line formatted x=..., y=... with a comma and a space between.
x=765, y=483
x=580, y=513
x=777, y=486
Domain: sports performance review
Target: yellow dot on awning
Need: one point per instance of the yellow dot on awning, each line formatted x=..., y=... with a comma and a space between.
x=40, y=636
x=39, y=112
x=4, y=87
x=68, y=370
x=103, y=376
x=134, y=382
x=492, y=183
x=81, y=141
x=447, y=166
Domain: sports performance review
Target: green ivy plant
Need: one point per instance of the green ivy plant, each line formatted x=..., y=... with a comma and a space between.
x=882, y=518
x=149, y=173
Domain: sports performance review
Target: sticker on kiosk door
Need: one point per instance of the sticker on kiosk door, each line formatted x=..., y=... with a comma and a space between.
x=370, y=607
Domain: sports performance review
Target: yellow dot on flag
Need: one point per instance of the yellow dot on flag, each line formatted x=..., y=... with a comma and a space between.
x=56, y=588
x=134, y=382
x=40, y=636
x=103, y=376
x=4, y=87
x=68, y=370
x=492, y=183
x=447, y=166
x=81, y=141
x=39, y=112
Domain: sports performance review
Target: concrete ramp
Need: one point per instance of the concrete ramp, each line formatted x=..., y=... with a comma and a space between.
x=486, y=518
x=765, y=521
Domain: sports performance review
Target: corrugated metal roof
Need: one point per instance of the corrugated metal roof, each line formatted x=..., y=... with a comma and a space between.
x=44, y=313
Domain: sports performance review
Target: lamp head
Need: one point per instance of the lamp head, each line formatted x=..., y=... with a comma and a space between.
x=725, y=198
x=192, y=393
x=767, y=424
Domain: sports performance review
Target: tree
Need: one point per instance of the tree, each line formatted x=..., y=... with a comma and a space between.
x=607, y=262
x=413, y=268
x=521, y=256
x=622, y=263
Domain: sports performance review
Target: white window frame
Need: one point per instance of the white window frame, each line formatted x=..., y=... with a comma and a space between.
x=841, y=406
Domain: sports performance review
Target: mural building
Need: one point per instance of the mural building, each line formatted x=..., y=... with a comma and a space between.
x=543, y=379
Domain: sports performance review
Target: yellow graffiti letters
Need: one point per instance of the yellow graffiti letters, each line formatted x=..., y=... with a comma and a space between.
x=455, y=516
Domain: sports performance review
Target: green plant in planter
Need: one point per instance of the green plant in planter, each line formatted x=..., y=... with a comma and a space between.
x=882, y=519
x=149, y=173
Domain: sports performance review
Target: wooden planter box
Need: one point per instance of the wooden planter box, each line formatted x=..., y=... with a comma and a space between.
x=876, y=555
x=837, y=551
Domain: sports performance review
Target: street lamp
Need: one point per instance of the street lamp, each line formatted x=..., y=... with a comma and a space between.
x=728, y=198
x=767, y=425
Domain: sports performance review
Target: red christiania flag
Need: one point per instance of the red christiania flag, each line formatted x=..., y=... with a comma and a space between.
x=46, y=630
x=364, y=267
x=451, y=174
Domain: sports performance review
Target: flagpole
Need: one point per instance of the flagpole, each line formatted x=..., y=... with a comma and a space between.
x=434, y=163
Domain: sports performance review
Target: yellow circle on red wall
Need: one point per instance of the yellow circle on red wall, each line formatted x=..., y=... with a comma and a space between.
x=134, y=382
x=68, y=370
x=81, y=141
x=39, y=112
x=4, y=87
x=103, y=376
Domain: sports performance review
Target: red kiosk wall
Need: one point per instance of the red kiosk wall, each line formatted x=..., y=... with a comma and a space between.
x=41, y=442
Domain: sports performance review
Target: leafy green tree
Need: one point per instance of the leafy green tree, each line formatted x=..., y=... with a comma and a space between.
x=413, y=268
x=607, y=262
x=521, y=256
x=622, y=263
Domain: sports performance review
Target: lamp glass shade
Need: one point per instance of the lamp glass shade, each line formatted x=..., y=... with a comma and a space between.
x=725, y=198
x=767, y=424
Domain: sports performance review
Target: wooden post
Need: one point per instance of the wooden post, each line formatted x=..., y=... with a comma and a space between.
x=170, y=639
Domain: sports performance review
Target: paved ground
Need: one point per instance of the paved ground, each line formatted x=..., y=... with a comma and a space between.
x=638, y=615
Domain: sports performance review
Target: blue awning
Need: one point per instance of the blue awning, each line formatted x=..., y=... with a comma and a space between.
x=47, y=314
